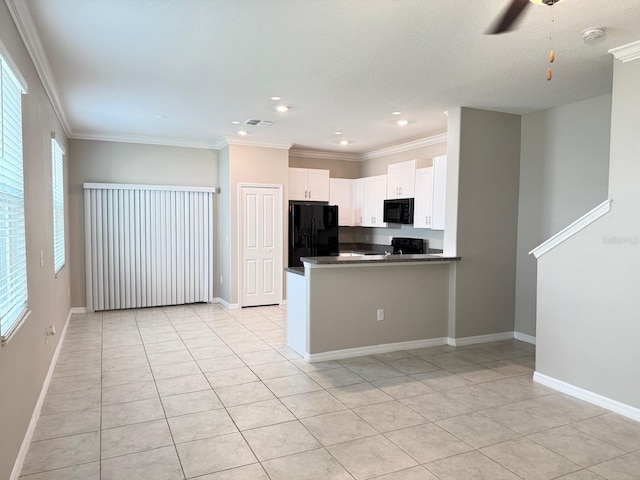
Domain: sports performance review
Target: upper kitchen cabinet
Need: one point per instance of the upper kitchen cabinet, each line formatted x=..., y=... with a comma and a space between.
x=309, y=184
x=439, y=192
x=401, y=178
x=340, y=195
x=423, y=204
x=375, y=193
x=357, y=201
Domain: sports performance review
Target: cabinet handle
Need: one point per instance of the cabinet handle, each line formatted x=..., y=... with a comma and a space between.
x=309, y=193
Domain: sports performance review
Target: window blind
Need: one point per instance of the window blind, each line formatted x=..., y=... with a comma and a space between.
x=13, y=258
x=57, y=174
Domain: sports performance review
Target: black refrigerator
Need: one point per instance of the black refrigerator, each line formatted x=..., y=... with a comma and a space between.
x=313, y=231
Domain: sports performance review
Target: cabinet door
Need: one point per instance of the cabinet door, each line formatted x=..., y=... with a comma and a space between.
x=357, y=201
x=422, y=209
x=439, y=192
x=298, y=184
x=407, y=179
x=340, y=195
x=318, y=185
x=375, y=192
x=394, y=180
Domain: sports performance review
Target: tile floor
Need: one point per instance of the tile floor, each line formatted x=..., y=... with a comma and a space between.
x=201, y=392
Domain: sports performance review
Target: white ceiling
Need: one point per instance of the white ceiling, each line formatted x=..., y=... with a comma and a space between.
x=113, y=66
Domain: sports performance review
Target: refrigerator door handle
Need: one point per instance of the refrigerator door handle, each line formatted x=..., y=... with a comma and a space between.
x=314, y=232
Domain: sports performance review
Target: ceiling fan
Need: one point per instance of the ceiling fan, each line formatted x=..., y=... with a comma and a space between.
x=513, y=12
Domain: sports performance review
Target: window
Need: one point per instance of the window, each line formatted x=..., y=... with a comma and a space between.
x=57, y=174
x=13, y=255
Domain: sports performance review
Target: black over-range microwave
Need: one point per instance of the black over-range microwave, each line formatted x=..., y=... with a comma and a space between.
x=398, y=210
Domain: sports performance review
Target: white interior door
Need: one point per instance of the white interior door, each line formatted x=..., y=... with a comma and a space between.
x=261, y=246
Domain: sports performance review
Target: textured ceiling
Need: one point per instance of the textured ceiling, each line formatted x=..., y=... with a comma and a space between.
x=114, y=66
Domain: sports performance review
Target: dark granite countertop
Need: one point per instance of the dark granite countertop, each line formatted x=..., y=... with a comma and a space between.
x=346, y=260
x=296, y=270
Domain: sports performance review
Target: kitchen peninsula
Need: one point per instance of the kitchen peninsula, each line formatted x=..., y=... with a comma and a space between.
x=347, y=306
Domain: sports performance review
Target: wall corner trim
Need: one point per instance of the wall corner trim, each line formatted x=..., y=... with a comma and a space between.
x=28, y=436
x=523, y=337
x=588, y=396
x=626, y=53
x=572, y=229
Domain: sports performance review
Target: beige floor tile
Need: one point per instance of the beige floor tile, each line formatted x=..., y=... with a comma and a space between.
x=372, y=456
x=71, y=402
x=375, y=371
x=260, y=357
x=314, y=403
x=582, y=475
x=247, y=347
x=124, y=377
x=210, y=351
x=389, y=416
x=131, y=412
x=126, y=351
x=622, y=468
x=529, y=460
x=77, y=368
x=232, y=376
x=165, y=347
x=243, y=394
x=413, y=473
x=363, y=360
x=279, y=440
x=134, y=438
x=614, y=429
x=427, y=442
x=80, y=356
x=74, y=384
x=518, y=388
x=186, y=384
x=435, y=406
x=260, y=414
x=469, y=465
x=275, y=370
x=477, y=397
x=442, y=380
x=218, y=363
x=214, y=454
x=158, y=464
x=390, y=356
x=248, y=472
x=314, y=367
x=129, y=393
x=87, y=471
x=172, y=370
x=68, y=423
x=291, y=385
x=175, y=356
x=403, y=387
x=193, y=402
x=478, y=373
x=62, y=452
x=446, y=360
x=312, y=465
x=338, y=427
x=577, y=446
x=359, y=395
x=525, y=417
x=477, y=430
x=413, y=365
x=335, y=377
x=196, y=426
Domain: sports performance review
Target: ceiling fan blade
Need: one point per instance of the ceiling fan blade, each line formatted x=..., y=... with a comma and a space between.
x=510, y=16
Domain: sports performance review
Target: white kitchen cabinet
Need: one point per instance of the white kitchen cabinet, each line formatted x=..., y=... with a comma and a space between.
x=423, y=203
x=439, y=192
x=309, y=184
x=340, y=195
x=401, y=178
x=357, y=201
x=375, y=192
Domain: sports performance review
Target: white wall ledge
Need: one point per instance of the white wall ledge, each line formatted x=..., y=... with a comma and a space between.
x=572, y=229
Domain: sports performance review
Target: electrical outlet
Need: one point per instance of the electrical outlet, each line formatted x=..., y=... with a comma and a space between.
x=380, y=314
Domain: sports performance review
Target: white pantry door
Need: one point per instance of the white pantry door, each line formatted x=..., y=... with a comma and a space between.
x=261, y=246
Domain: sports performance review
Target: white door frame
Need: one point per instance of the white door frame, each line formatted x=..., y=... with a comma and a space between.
x=240, y=213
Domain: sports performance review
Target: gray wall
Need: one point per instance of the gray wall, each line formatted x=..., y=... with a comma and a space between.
x=564, y=170
x=487, y=213
x=113, y=162
x=588, y=302
x=25, y=360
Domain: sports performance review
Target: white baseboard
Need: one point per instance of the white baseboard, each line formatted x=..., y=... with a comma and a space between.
x=79, y=310
x=524, y=337
x=28, y=436
x=588, y=396
x=372, y=350
x=491, y=337
x=225, y=304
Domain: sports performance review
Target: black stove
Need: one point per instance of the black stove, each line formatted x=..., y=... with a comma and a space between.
x=405, y=245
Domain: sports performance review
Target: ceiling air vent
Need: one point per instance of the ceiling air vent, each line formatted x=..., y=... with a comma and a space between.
x=259, y=123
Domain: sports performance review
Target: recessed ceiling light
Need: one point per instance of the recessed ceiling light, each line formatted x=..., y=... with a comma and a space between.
x=282, y=108
x=275, y=99
x=242, y=132
x=344, y=142
x=402, y=123
x=236, y=122
x=338, y=133
x=396, y=113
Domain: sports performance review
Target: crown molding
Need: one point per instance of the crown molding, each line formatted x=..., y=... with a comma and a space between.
x=169, y=142
x=244, y=142
x=24, y=23
x=347, y=157
x=404, y=147
x=628, y=52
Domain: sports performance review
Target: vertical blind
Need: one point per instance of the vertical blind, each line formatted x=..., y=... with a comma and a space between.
x=57, y=174
x=13, y=258
x=147, y=245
